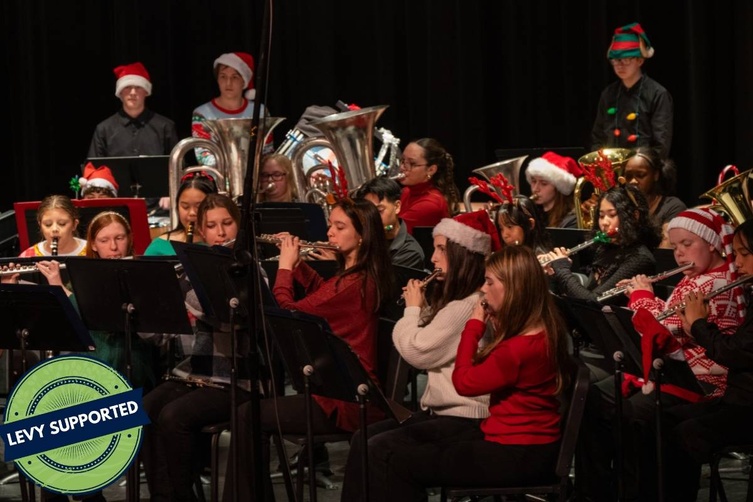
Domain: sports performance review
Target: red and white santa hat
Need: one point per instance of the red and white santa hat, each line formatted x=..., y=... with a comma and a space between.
x=474, y=231
x=132, y=74
x=100, y=177
x=243, y=63
x=562, y=172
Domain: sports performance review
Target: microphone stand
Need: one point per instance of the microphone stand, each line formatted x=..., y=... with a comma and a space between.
x=246, y=272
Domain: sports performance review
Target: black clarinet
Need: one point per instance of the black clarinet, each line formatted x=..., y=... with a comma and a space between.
x=54, y=246
x=189, y=233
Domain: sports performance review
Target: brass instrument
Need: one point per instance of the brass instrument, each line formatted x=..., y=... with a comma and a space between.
x=54, y=246
x=731, y=285
x=510, y=168
x=600, y=237
x=732, y=196
x=271, y=239
x=654, y=278
x=618, y=157
x=424, y=282
x=23, y=269
x=230, y=143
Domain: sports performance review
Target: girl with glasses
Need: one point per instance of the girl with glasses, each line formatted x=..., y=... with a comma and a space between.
x=276, y=182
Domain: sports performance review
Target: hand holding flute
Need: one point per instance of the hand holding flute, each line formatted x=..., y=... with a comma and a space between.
x=413, y=292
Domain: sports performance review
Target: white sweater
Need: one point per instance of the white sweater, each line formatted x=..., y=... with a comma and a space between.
x=433, y=348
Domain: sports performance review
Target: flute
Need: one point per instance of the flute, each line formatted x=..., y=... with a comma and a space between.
x=673, y=310
x=600, y=237
x=425, y=282
x=654, y=278
x=271, y=239
x=23, y=269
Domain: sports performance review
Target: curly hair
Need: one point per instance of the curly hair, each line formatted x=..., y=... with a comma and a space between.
x=632, y=208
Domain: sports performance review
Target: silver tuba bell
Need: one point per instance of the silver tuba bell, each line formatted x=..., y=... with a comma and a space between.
x=231, y=139
x=510, y=168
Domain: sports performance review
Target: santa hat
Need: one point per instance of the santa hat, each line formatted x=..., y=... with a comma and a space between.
x=132, y=74
x=562, y=172
x=100, y=177
x=243, y=63
x=630, y=41
x=474, y=231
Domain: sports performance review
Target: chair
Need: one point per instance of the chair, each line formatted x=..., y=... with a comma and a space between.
x=715, y=482
x=573, y=413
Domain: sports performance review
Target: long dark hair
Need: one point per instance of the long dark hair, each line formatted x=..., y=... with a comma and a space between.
x=519, y=212
x=635, y=223
x=373, y=255
x=464, y=276
x=199, y=181
x=444, y=179
x=526, y=304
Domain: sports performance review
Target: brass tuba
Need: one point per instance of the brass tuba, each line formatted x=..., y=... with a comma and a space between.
x=733, y=197
x=231, y=139
x=510, y=168
x=618, y=157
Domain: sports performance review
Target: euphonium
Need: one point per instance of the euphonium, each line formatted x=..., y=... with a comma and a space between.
x=618, y=157
x=733, y=197
x=510, y=168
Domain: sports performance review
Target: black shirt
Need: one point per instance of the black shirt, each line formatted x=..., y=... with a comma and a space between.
x=122, y=136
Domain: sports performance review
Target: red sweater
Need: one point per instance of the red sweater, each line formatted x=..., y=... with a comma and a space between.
x=349, y=313
x=422, y=205
x=522, y=380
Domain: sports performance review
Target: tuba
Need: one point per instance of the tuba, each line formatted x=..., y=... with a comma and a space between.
x=618, y=157
x=231, y=139
x=732, y=197
x=510, y=168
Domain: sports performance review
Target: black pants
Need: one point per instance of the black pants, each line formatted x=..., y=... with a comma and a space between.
x=177, y=413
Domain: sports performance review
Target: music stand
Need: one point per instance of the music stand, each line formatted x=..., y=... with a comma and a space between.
x=39, y=318
x=120, y=296
x=139, y=176
x=323, y=364
x=313, y=215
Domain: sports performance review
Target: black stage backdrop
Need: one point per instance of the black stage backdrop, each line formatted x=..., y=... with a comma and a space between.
x=477, y=75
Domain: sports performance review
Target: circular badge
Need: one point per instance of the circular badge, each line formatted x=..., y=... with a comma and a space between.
x=73, y=414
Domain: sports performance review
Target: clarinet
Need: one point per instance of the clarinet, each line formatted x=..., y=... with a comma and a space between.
x=54, y=246
x=189, y=232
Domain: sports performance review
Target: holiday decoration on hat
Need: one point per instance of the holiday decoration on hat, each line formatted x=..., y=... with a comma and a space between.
x=100, y=177
x=243, y=63
x=560, y=171
x=474, y=231
x=630, y=41
x=132, y=74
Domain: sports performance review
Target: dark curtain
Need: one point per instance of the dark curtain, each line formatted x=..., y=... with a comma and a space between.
x=477, y=75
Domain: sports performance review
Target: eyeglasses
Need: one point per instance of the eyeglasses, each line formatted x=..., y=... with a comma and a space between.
x=622, y=61
x=410, y=164
x=276, y=176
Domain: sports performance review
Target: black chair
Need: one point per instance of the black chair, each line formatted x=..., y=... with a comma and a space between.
x=572, y=413
x=715, y=481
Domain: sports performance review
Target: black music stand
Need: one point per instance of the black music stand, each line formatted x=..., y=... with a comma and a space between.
x=313, y=215
x=121, y=296
x=138, y=176
x=39, y=318
x=323, y=364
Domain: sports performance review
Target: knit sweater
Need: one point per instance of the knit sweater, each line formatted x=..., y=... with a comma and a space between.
x=433, y=348
x=522, y=380
x=723, y=311
x=422, y=205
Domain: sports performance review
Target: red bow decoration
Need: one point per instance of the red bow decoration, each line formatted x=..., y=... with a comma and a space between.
x=195, y=174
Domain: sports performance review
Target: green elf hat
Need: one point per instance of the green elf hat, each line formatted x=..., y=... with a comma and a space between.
x=630, y=41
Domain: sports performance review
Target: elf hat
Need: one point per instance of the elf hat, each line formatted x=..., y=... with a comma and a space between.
x=474, y=231
x=100, y=177
x=630, y=41
x=243, y=63
x=132, y=74
x=562, y=172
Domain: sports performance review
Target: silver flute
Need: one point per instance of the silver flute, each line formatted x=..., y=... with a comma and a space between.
x=718, y=291
x=23, y=269
x=425, y=282
x=271, y=239
x=196, y=382
x=654, y=278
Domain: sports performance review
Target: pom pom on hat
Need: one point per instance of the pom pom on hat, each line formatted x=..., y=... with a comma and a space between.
x=243, y=63
x=562, y=172
x=98, y=177
x=132, y=74
x=474, y=231
x=630, y=41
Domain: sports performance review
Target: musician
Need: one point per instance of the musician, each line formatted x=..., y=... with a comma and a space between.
x=97, y=183
x=623, y=215
x=234, y=73
x=524, y=367
x=58, y=219
x=384, y=193
x=656, y=178
x=178, y=409
x=427, y=337
x=193, y=189
x=276, y=183
x=429, y=192
x=349, y=302
x=552, y=178
x=635, y=110
x=726, y=421
x=520, y=223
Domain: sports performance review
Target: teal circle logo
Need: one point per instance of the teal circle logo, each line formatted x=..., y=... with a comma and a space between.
x=73, y=414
